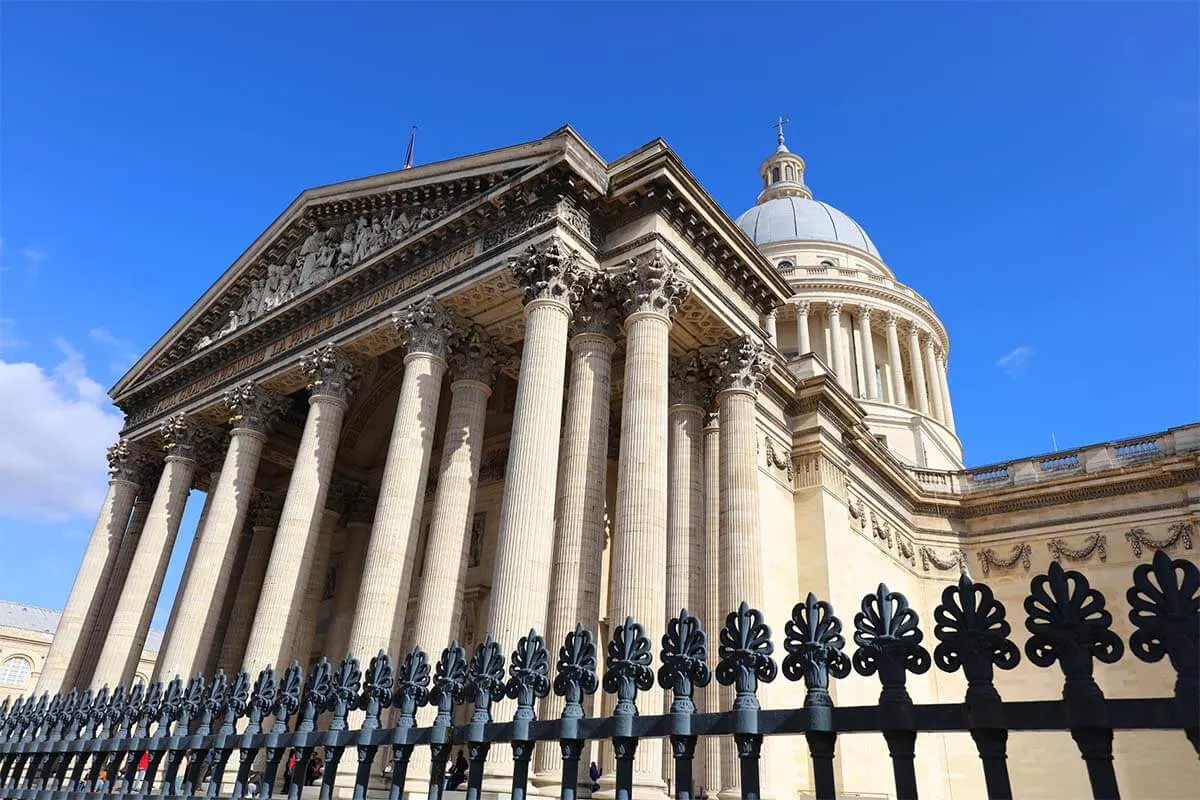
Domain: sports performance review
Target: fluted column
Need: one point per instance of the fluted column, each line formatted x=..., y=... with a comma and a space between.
x=388, y=568
x=943, y=384
x=329, y=372
x=639, y=549
x=803, y=343
x=918, y=368
x=314, y=591
x=360, y=510
x=932, y=381
x=81, y=614
x=139, y=595
x=525, y=539
x=474, y=361
x=582, y=487
x=841, y=370
x=264, y=512
x=252, y=410
x=209, y=454
x=709, y=755
x=899, y=394
x=871, y=389
x=742, y=365
x=769, y=325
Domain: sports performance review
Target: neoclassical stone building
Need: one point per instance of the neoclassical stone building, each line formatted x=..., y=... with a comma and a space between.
x=532, y=387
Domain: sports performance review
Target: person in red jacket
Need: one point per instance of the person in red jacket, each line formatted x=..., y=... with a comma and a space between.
x=142, y=765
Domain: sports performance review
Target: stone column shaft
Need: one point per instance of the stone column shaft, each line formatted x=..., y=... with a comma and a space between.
x=899, y=394
x=388, y=567
x=713, y=612
x=944, y=385
x=254, y=572
x=203, y=595
x=770, y=327
x=349, y=579
x=300, y=520
x=868, y=351
x=314, y=593
x=139, y=596
x=685, y=510
x=835, y=344
x=918, y=369
x=81, y=614
x=186, y=576
x=803, y=343
x=933, y=382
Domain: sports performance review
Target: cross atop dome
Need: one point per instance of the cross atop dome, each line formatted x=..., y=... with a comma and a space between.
x=778, y=125
x=783, y=171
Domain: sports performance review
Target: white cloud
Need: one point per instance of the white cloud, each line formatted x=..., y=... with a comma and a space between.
x=1015, y=360
x=34, y=255
x=56, y=426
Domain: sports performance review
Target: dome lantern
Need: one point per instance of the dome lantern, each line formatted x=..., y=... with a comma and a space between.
x=783, y=172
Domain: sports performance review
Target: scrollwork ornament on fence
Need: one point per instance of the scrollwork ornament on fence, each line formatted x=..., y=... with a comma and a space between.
x=684, y=661
x=287, y=696
x=529, y=674
x=973, y=634
x=627, y=666
x=449, y=683
x=1096, y=544
x=1165, y=610
x=344, y=686
x=988, y=558
x=745, y=655
x=412, y=681
x=889, y=642
x=813, y=641
x=485, y=678
x=375, y=693
x=1180, y=532
x=1069, y=624
x=575, y=673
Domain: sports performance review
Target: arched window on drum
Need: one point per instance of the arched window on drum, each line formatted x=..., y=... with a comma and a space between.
x=15, y=671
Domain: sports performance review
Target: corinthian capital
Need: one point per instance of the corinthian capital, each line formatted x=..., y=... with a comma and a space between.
x=425, y=326
x=690, y=381
x=802, y=308
x=181, y=437
x=652, y=283
x=598, y=310
x=890, y=319
x=476, y=356
x=741, y=365
x=330, y=372
x=834, y=307
x=128, y=462
x=253, y=407
x=548, y=272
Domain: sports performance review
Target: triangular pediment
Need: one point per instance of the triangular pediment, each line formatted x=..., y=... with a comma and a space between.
x=332, y=231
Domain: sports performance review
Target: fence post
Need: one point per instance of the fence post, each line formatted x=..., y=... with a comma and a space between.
x=374, y=696
x=97, y=714
x=1164, y=606
x=973, y=633
x=287, y=703
x=211, y=704
x=262, y=700
x=1070, y=625
x=684, y=667
x=813, y=641
x=317, y=690
x=745, y=659
x=412, y=692
x=575, y=676
x=236, y=699
x=340, y=698
x=627, y=671
x=449, y=686
x=889, y=642
x=187, y=706
x=528, y=681
x=485, y=682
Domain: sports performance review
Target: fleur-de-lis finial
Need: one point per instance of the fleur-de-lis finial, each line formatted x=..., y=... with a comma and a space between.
x=575, y=674
x=343, y=691
x=684, y=658
x=889, y=642
x=1164, y=607
x=412, y=683
x=485, y=678
x=973, y=633
x=628, y=666
x=449, y=682
x=813, y=641
x=529, y=674
x=1070, y=625
x=745, y=655
x=287, y=696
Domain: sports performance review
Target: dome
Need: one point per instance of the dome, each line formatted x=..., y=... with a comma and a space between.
x=799, y=219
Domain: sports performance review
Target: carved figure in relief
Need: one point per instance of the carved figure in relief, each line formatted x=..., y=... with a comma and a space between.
x=361, y=234
x=306, y=261
x=345, y=258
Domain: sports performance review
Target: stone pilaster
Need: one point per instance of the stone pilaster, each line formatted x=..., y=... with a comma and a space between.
x=944, y=385
x=582, y=488
x=836, y=351
x=387, y=570
x=264, y=514
x=655, y=288
x=918, y=368
x=709, y=756
x=933, y=381
x=252, y=411
x=899, y=394
x=870, y=388
x=803, y=343
x=525, y=539
x=131, y=619
x=81, y=614
x=330, y=375
x=741, y=368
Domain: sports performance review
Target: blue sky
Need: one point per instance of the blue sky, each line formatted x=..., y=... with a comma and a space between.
x=1030, y=168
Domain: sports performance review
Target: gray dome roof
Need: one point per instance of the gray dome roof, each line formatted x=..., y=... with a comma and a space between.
x=798, y=219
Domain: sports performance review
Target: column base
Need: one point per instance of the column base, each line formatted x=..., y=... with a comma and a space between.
x=644, y=788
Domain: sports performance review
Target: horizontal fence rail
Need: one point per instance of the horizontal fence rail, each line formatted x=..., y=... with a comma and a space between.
x=204, y=737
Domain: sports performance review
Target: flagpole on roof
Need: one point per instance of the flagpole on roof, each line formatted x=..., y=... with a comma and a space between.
x=408, y=156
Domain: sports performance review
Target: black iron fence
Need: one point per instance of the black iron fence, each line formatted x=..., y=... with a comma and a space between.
x=204, y=738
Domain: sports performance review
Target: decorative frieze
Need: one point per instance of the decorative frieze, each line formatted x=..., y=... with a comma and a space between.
x=251, y=406
x=424, y=327
x=777, y=459
x=881, y=529
x=548, y=272
x=329, y=371
x=989, y=559
x=652, y=283
x=1179, y=532
x=565, y=210
x=817, y=469
x=1095, y=544
x=957, y=559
